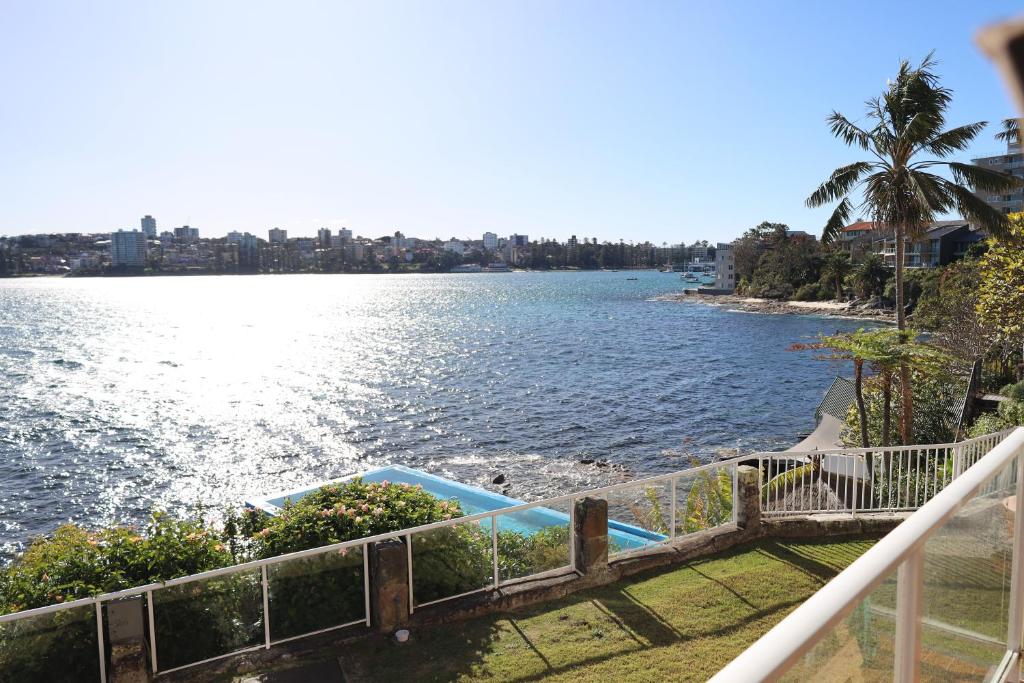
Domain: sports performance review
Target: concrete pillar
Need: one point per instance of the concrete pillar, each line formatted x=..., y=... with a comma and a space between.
x=389, y=586
x=128, y=656
x=591, y=529
x=748, y=492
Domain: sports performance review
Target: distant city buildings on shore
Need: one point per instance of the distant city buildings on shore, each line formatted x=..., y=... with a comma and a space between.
x=128, y=249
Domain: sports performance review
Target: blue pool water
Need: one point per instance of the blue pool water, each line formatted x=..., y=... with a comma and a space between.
x=473, y=500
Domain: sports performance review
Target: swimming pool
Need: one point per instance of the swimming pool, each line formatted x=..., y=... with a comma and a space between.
x=473, y=500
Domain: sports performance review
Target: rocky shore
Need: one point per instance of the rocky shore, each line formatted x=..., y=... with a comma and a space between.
x=866, y=310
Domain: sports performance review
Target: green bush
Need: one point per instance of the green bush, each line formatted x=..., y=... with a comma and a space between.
x=74, y=563
x=1009, y=414
x=808, y=292
x=1013, y=392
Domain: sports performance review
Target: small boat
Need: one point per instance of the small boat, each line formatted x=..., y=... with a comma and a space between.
x=632, y=278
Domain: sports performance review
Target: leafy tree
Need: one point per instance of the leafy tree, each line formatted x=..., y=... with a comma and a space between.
x=885, y=350
x=869, y=277
x=1001, y=288
x=907, y=139
x=948, y=309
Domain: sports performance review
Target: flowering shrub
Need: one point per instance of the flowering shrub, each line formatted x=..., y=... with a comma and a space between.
x=337, y=513
x=74, y=563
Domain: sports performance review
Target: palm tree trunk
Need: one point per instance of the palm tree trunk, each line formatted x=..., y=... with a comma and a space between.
x=858, y=387
x=906, y=395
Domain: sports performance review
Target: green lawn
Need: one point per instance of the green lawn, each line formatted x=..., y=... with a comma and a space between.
x=679, y=624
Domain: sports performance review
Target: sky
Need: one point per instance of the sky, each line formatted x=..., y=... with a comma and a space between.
x=649, y=120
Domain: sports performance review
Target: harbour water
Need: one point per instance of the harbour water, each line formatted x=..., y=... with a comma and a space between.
x=121, y=395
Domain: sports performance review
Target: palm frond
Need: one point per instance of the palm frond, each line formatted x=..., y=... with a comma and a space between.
x=975, y=209
x=836, y=221
x=981, y=178
x=954, y=139
x=847, y=131
x=839, y=184
x=786, y=480
x=1010, y=132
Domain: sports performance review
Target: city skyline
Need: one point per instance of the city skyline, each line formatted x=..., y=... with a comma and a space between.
x=549, y=120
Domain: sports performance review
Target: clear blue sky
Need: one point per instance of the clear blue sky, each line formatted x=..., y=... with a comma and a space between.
x=633, y=120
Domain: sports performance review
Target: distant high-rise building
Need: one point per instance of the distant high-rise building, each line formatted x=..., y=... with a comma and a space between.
x=149, y=226
x=1012, y=163
x=277, y=236
x=186, y=234
x=490, y=241
x=519, y=240
x=234, y=237
x=725, y=267
x=323, y=236
x=128, y=248
x=346, y=235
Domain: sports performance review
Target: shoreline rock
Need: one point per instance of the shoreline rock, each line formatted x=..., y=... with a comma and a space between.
x=832, y=309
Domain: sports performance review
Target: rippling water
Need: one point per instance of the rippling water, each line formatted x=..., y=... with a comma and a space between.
x=119, y=395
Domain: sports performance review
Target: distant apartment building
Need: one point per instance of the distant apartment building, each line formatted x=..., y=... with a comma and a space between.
x=346, y=235
x=517, y=248
x=149, y=226
x=1013, y=163
x=455, y=246
x=186, y=234
x=234, y=237
x=128, y=248
x=725, y=267
x=277, y=236
x=324, y=237
x=941, y=243
x=490, y=241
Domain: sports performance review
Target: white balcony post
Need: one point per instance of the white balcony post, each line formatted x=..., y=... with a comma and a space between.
x=1016, y=616
x=266, y=606
x=672, y=510
x=909, y=605
x=99, y=640
x=494, y=549
x=152, y=630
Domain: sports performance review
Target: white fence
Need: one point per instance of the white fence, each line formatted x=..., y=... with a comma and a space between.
x=223, y=612
x=939, y=598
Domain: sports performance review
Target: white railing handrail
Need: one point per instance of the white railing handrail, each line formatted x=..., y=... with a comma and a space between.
x=781, y=647
x=466, y=519
x=879, y=449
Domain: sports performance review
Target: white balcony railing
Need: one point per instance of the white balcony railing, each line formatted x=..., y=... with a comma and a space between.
x=939, y=598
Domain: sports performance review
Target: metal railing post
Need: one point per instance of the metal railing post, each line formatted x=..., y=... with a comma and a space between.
x=494, y=548
x=909, y=605
x=1016, y=617
x=672, y=510
x=266, y=606
x=366, y=581
x=152, y=631
x=735, y=493
x=572, y=533
x=99, y=640
x=408, y=550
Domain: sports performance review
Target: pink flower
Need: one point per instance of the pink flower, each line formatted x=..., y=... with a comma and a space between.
x=364, y=507
x=385, y=483
x=378, y=511
x=325, y=513
x=447, y=517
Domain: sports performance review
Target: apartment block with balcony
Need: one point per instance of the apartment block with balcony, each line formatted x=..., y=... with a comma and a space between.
x=1013, y=163
x=942, y=243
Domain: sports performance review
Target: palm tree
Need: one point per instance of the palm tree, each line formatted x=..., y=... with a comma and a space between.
x=834, y=268
x=1010, y=132
x=898, y=187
